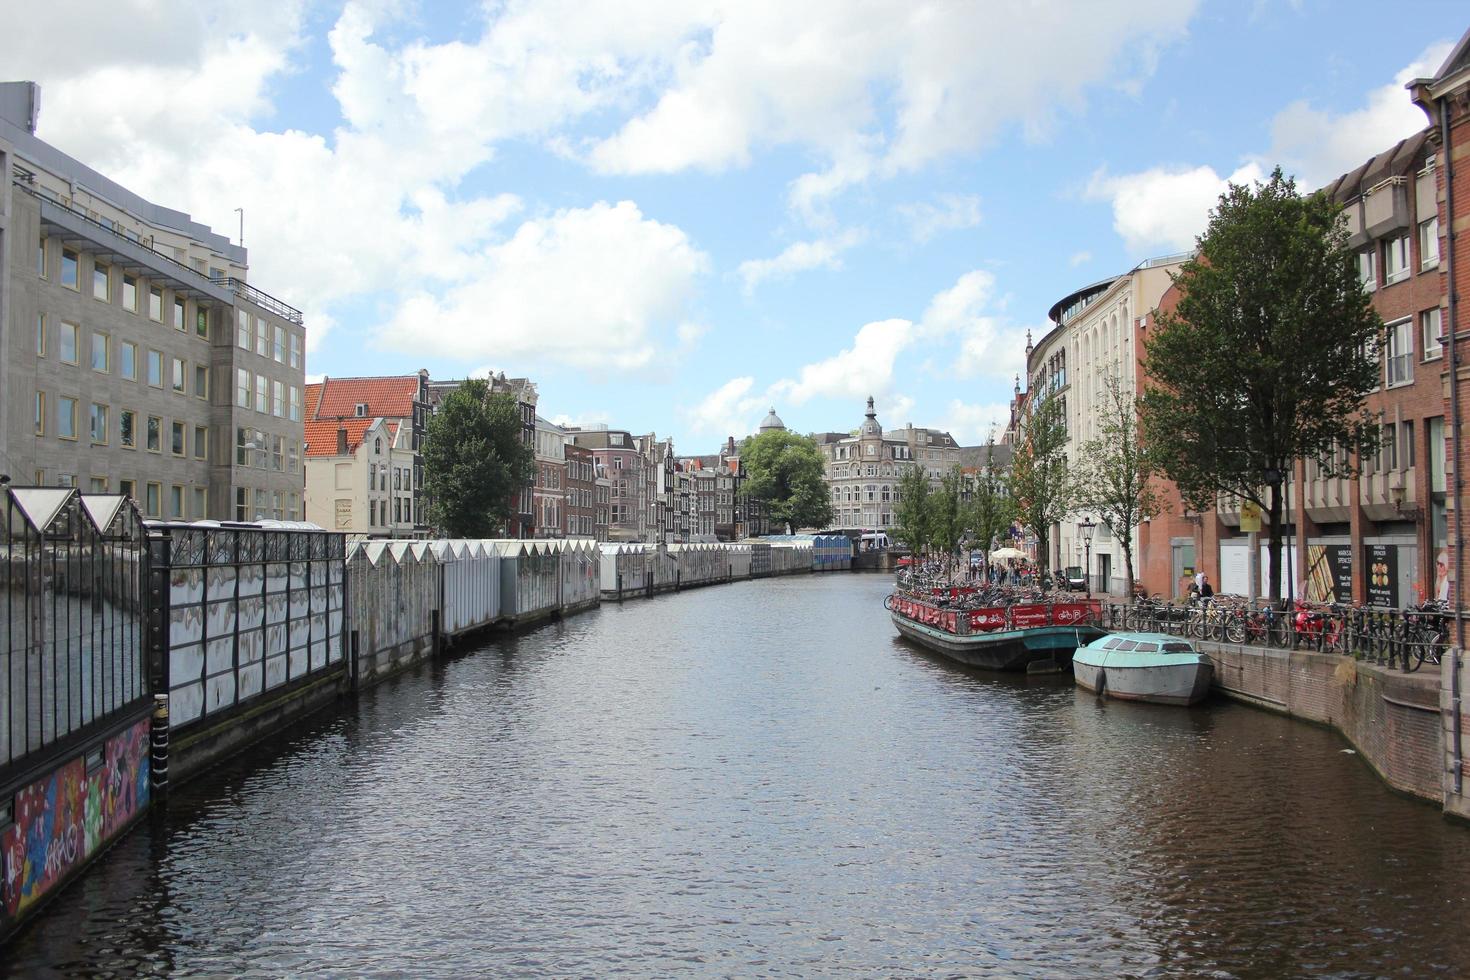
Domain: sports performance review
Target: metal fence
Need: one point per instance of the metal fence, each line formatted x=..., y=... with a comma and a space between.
x=71, y=618
x=249, y=610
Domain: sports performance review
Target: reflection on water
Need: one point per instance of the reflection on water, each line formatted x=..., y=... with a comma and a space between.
x=761, y=778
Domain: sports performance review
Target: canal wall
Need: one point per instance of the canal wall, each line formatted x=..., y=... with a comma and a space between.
x=1453, y=688
x=1393, y=719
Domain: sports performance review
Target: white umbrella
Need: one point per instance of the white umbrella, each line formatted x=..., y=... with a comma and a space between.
x=1006, y=554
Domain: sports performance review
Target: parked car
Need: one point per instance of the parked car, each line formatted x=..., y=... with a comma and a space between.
x=1073, y=579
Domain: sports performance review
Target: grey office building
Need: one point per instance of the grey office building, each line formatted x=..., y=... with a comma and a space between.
x=134, y=357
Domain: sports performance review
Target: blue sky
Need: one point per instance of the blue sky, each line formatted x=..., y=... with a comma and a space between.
x=673, y=214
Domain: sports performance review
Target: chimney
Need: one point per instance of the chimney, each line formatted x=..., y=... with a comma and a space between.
x=341, y=441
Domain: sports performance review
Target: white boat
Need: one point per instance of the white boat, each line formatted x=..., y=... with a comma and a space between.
x=1153, y=667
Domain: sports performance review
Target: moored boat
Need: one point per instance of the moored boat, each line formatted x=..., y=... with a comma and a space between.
x=1153, y=667
x=996, y=637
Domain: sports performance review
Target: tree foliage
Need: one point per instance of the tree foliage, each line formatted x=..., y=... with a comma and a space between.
x=1041, y=479
x=911, y=512
x=1268, y=356
x=991, y=509
x=474, y=461
x=784, y=471
x=946, y=509
x=1116, y=470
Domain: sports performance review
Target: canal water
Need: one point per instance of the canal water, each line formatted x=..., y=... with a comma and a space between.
x=761, y=779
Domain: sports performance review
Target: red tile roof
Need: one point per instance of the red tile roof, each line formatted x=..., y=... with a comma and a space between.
x=338, y=398
x=321, y=435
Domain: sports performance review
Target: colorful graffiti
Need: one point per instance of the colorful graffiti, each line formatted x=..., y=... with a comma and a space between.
x=62, y=820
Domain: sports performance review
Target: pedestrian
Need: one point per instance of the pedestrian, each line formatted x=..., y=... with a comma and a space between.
x=1205, y=592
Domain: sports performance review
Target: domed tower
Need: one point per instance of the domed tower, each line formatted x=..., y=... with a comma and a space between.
x=773, y=421
x=870, y=422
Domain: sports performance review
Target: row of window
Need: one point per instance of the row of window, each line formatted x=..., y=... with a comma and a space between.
x=1398, y=353
x=404, y=509
x=267, y=396
x=1396, y=256
x=267, y=505
x=104, y=356
x=65, y=423
x=267, y=339
x=378, y=477
x=873, y=492
x=265, y=451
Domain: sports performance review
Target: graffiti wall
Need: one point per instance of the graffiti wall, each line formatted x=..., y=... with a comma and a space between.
x=62, y=820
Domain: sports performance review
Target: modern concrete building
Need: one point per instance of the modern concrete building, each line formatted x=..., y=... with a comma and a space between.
x=364, y=462
x=134, y=356
x=863, y=470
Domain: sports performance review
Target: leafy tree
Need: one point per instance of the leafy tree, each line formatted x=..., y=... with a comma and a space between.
x=911, y=513
x=474, y=461
x=1267, y=357
x=946, y=511
x=991, y=509
x=784, y=471
x=1041, y=479
x=1117, y=470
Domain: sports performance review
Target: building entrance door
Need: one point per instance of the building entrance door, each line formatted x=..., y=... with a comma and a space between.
x=1104, y=573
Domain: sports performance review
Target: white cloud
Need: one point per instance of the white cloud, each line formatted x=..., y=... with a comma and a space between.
x=1319, y=146
x=584, y=419
x=618, y=281
x=729, y=410
x=948, y=212
x=1164, y=209
x=822, y=253
x=988, y=345
x=863, y=369
x=1078, y=258
x=972, y=424
x=957, y=307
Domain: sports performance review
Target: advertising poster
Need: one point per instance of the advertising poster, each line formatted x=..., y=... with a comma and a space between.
x=1382, y=571
x=1329, y=573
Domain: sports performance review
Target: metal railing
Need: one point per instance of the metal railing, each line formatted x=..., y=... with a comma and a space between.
x=261, y=299
x=72, y=619
x=1402, y=638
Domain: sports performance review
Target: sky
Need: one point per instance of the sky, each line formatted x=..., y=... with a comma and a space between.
x=674, y=215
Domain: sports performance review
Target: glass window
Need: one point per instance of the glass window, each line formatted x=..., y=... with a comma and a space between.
x=40, y=335
x=66, y=417
x=295, y=400
x=176, y=501
x=41, y=259
x=69, y=268
x=155, y=369
x=242, y=446
x=99, y=352
x=150, y=508
x=278, y=399
x=176, y=437
x=242, y=329
x=201, y=442
x=178, y=375
x=1429, y=243
x=1395, y=259
x=1399, y=359
x=155, y=303
x=201, y=381
x=128, y=428
x=97, y=424
x=69, y=340
x=128, y=488
x=101, y=282
x=295, y=351
x=277, y=456
x=178, y=314
x=201, y=503
x=40, y=413
x=279, y=351
x=242, y=512
x=262, y=394
x=130, y=293
x=154, y=434
x=1430, y=327
x=242, y=388
x=201, y=322
x=262, y=337
x=127, y=360
x=1368, y=269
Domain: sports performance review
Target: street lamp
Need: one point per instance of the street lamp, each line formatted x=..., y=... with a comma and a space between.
x=1085, y=527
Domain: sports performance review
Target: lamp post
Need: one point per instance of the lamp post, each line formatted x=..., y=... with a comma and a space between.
x=1273, y=478
x=1085, y=527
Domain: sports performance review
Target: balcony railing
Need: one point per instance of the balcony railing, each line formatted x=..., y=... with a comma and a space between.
x=261, y=299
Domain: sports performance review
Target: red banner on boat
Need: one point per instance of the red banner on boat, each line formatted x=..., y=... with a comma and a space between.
x=985, y=620
x=1025, y=617
x=1070, y=613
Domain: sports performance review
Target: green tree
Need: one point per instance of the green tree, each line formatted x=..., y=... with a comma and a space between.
x=1117, y=471
x=991, y=509
x=474, y=461
x=1268, y=356
x=946, y=512
x=784, y=471
x=911, y=512
x=1041, y=479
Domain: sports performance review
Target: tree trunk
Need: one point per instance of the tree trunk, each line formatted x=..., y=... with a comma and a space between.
x=1126, y=541
x=1274, y=551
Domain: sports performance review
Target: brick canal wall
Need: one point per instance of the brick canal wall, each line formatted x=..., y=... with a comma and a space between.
x=1454, y=686
x=1393, y=719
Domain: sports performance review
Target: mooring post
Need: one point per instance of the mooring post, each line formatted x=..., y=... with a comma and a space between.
x=158, y=738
